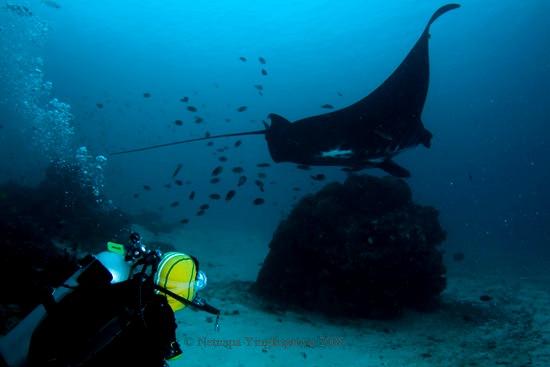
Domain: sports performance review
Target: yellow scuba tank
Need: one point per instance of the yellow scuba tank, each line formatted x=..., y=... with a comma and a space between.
x=177, y=272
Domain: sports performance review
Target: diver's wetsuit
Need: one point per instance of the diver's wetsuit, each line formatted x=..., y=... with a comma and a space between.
x=106, y=325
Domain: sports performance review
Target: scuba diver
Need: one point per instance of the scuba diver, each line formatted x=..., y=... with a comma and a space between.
x=117, y=309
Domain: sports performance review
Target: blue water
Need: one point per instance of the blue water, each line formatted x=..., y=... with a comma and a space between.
x=488, y=102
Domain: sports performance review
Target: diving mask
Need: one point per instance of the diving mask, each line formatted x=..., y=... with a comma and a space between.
x=201, y=281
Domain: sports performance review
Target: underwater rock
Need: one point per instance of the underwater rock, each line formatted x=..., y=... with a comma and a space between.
x=458, y=256
x=19, y=10
x=153, y=221
x=357, y=249
x=44, y=229
x=65, y=208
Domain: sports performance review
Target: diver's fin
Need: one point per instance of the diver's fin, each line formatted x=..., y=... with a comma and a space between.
x=393, y=168
x=150, y=147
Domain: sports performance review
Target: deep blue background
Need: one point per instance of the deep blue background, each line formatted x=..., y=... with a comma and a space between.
x=488, y=103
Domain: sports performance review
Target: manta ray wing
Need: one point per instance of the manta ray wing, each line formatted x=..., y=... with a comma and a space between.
x=365, y=134
x=378, y=126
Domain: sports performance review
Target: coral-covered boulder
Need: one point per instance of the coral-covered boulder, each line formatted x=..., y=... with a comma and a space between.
x=361, y=248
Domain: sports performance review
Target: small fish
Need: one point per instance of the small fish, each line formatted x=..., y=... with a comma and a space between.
x=146, y=95
x=227, y=119
x=177, y=170
x=242, y=181
x=237, y=170
x=178, y=122
x=136, y=195
x=198, y=119
x=175, y=204
x=99, y=105
x=339, y=93
x=485, y=298
x=216, y=171
x=214, y=196
x=204, y=207
x=51, y=4
x=230, y=194
x=259, y=87
x=146, y=187
x=264, y=72
x=262, y=175
x=261, y=60
x=184, y=221
x=207, y=134
x=328, y=106
x=241, y=109
x=237, y=143
x=222, y=158
x=295, y=188
x=263, y=165
x=192, y=108
x=210, y=143
x=215, y=180
x=192, y=195
x=200, y=213
x=220, y=150
x=179, y=182
x=304, y=167
x=260, y=184
x=167, y=185
x=318, y=177
x=242, y=58
x=184, y=99
x=258, y=201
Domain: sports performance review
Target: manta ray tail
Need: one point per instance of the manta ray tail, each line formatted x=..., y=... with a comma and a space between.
x=150, y=147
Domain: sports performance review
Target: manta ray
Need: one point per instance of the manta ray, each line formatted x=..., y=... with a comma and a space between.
x=365, y=134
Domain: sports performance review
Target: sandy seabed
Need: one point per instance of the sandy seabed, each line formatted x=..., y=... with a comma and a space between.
x=513, y=329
